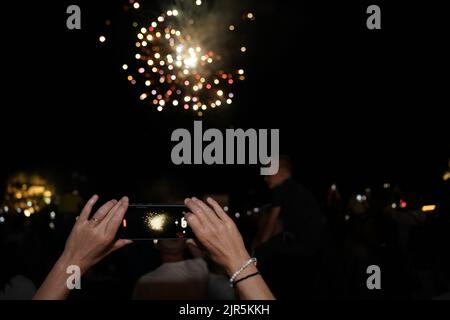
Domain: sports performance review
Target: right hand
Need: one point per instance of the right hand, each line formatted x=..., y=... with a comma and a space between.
x=217, y=233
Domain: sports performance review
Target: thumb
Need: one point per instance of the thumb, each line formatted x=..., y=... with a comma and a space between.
x=119, y=244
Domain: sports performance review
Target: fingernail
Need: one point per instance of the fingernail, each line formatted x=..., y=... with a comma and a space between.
x=124, y=199
x=208, y=199
x=187, y=200
x=128, y=241
x=194, y=198
x=114, y=201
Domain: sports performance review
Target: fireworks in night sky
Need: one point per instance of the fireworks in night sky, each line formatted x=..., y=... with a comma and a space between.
x=186, y=57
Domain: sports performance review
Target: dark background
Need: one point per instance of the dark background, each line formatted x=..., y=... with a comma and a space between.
x=355, y=106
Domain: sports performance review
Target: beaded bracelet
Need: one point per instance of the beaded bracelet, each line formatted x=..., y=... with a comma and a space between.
x=244, y=266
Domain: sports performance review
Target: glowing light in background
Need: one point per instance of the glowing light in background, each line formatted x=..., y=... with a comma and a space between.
x=27, y=194
x=403, y=204
x=429, y=208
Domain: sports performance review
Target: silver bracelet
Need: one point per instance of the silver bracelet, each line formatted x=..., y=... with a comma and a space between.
x=244, y=266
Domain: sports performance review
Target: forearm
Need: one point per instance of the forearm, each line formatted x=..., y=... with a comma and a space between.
x=266, y=231
x=269, y=225
x=55, y=285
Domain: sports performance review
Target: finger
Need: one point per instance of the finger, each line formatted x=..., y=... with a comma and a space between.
x=218, y=209
x=198, y=212
x=84, y=215
x=103, y=211
x=191, y=242
x=194, y=222
x=115, y=217
x=119, y=244
x=213, y=218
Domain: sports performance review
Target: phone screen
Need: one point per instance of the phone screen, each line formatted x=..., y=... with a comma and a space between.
x=146, y=222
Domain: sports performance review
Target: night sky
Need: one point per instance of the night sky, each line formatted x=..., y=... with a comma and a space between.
x=355, y=106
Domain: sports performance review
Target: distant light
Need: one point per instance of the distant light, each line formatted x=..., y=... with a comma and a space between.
x=27, y=213
x=347, y=217
x=403, y=204
x=5, y=208
x=249, y=212
x=241, y=71
x=368, y=190
x=51, y=225
x=143, y=96
x=243, y=49
x=333, y=187
x=102, y=39
x=155, y=241
x=386, y=185
x=198, y=2
x=52, y=215
x=231, y=27
x=446, y=176
x=2, y=219
x=250, y=15
x=237, y=215
x=394, y=205
x=220, y=93
x=159, y=108
x=125, y=67
x=364, y=198
x=428, y=208
x=136, y=5
x=148, y=83
x=359, y=197
x=29, y=203
x=175, y=12
x=255, y=210
x=225, y=209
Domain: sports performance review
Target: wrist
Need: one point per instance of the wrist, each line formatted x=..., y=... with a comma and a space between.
x=236, y=263
x=67, y=259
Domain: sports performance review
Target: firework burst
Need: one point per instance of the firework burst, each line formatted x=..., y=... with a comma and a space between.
x=172, y=68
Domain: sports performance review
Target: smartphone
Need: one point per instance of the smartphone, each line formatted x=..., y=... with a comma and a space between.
x=150, y=222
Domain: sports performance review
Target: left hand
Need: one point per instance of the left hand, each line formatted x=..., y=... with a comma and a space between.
x=93, y=239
